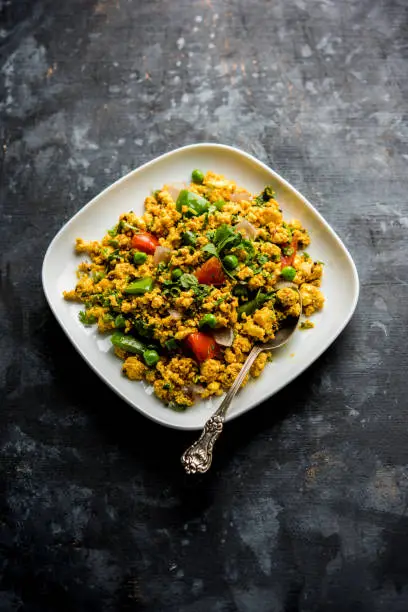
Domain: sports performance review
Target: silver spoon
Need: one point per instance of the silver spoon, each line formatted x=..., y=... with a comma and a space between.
x=198, y=457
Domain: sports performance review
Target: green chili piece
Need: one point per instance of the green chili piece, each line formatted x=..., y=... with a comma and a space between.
x=195, y=204
x=249, y=307
x=120, y=322
x=240, y=291
x=128, y=343
x=141, y=286
x=189, y=238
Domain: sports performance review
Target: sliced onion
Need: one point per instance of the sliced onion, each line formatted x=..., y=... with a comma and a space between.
x=224, y=336
x=175, y=314
x=161, y=254
x=193, y=390
x=247, y=228
x=174, y=189
x=240, y=195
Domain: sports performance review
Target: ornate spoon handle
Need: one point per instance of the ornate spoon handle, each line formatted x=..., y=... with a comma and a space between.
x=198, y=457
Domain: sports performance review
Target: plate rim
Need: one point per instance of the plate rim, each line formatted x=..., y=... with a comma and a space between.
x=227, y=148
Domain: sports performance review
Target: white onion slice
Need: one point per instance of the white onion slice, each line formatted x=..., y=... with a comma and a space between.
x=240, y=195
x=193, y=390
x=247, y=228
x=161, y=254
x=174, y=189
x=224, y=336
x=175, y=314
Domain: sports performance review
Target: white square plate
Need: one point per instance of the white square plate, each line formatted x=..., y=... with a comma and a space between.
x=340, y=283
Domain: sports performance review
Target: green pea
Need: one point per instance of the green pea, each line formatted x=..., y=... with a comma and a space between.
x=197, y=176
x=208, y=319
x=288, y=273
x=139, y=258
x=150, y=357
x=120, y=322
x=176, y=274
x=230, y=262
x=189, y=238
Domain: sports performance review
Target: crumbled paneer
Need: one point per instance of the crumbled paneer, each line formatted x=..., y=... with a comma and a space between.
x=312, y=298
x=202, y=258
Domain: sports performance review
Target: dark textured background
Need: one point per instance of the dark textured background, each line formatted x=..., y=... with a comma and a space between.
x=305, y=508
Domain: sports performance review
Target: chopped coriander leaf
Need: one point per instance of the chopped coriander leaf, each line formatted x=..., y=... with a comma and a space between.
x=171, y=344
x=201, y=291
x=188, y=280
x=143, y=329
x=85, y=318
x=240, y=291
x=161, y=267
x=125, y=226
x=262, y=259
x=113, y=255
x=176, y=274
x=267, y=194
x=306, y=325
x=98, y=276
x=219, y=204
x=189, y=238
x=177, y=407
x=210, y=248
x=249, y=248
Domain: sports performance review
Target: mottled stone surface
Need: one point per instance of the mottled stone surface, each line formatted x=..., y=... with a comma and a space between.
x=305, y=507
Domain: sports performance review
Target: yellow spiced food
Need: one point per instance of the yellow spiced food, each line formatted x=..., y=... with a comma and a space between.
x=188, y=288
